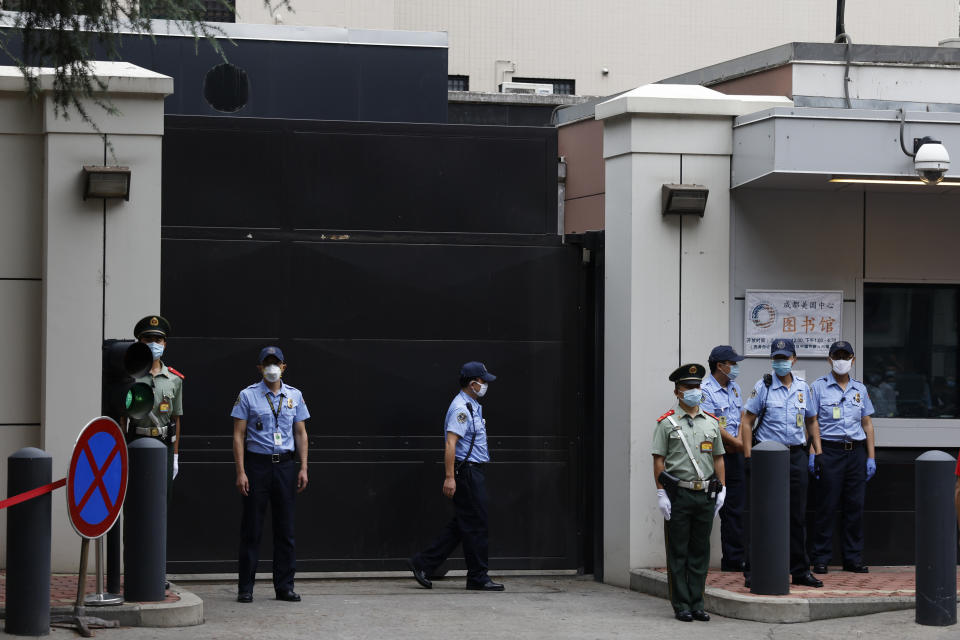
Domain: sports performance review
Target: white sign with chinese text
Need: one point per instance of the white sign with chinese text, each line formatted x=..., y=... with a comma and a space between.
x=812, y=319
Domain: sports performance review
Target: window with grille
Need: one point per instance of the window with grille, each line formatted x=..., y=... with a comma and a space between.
x=458, y=83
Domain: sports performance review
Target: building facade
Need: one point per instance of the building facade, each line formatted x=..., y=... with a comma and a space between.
x=604, y=47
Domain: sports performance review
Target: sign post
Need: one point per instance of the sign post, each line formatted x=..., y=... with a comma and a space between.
x=96, y=487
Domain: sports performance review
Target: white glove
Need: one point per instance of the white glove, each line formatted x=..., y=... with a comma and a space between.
x=720, y=497
x=663, y=502
x=176, y=464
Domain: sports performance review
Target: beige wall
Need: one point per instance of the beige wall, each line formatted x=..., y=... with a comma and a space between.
x=639, y=42
x=53, y=250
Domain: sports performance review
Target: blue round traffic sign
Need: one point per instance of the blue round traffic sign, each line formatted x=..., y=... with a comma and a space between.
x=97, y=479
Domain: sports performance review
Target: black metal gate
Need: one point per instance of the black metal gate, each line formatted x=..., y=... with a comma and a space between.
x=379, y=257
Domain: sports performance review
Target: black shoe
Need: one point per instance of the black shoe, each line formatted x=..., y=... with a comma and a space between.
x=683, y=616
x=166, y=585
x=859, y=567
x=244, y=597
x=419, y=574
x=490, y=585
x=820, y=568
x=807, y=580
x=732, y=566
x=288, y=596
x=701, y=615
x=746, y=582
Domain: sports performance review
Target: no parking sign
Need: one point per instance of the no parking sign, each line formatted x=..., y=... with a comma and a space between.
x=97, y=479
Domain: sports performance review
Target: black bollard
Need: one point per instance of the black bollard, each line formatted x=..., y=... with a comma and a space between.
x=770, y=519
x=114, y=537
x=145, y=523
x=936, y=554
x=28, y=545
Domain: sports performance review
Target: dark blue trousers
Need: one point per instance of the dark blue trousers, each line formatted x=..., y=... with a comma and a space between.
x=731, y=514
x=842, y=484
x=274, y=483
x=799, y=482
x=468, y=526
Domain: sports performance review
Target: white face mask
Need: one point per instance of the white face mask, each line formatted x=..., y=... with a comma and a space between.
x=483, y=390
x=842, y=367
x=271, y=372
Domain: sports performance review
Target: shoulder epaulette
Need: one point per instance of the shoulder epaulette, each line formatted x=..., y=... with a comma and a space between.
x=665, y=416
x=711, y=415
x=176, y=373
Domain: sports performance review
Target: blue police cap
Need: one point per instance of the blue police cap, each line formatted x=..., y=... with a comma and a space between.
x=476, y=370
x=723, y=353
x=841, y=345
x=270, y=351
x=782, y=347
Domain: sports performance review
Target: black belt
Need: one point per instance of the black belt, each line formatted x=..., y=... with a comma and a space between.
x=846, y=445
x=273, y=457
x=796, y=447
x=471, y=464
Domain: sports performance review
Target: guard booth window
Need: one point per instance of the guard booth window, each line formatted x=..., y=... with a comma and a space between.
x=910, y=349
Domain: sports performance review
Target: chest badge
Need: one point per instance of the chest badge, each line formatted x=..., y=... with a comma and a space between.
x=706, y=447
x=856, y=398
x=800, y=397
x=289, y=403
x=736, y=393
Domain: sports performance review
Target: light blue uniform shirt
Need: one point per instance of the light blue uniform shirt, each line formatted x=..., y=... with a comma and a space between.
x=787, y=410
x=253, y=405
x=460, y=422
x=840, y=412
x=724, y=402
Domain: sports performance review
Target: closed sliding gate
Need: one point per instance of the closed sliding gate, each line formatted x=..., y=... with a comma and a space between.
x=379, y=257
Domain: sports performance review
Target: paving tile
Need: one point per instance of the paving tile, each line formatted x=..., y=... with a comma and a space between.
x=880, y=582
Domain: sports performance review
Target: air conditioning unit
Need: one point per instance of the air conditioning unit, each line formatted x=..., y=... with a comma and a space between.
x=529, y=88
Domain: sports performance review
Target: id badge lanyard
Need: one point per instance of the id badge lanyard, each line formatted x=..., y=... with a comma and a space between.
x=277, y=436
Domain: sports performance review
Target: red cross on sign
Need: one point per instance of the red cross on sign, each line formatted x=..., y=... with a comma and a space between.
x=97, y=479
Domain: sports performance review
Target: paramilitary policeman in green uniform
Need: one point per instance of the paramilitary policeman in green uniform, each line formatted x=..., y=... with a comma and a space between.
x=163, y=421
x=688, y=470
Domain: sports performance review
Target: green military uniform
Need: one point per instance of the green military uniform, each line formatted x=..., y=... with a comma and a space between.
x=687, y=532
x=167, y=387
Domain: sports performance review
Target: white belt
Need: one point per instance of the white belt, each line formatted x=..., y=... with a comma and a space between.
x=156, y=432
x=696, y=485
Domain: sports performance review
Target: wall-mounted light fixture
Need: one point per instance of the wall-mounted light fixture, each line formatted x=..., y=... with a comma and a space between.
x=106, y=182
x=682, y=199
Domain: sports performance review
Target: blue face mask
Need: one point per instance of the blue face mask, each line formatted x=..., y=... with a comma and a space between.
x=782, y=367
x=692, y=397
x=734, y=371
x=156, y=349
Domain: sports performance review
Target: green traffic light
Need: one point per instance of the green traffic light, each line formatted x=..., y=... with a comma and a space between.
x=138, y=400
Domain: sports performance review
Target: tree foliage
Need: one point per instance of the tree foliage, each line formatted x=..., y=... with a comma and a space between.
x=68, y=35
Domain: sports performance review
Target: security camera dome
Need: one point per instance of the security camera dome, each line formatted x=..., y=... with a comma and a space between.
x=931, y=161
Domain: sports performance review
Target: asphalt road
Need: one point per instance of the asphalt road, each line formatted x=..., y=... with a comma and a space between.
x=532, y=607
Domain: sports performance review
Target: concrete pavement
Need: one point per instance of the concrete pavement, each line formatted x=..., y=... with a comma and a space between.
x=532, y=607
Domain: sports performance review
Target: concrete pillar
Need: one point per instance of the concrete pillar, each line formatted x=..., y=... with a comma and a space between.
x=667, y=286
x=88, y=255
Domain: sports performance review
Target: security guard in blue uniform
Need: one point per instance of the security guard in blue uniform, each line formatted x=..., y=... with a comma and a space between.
x=782, y=402
x=465, y=456
x=842, y=408
x=269, y=439
x=722, y=397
